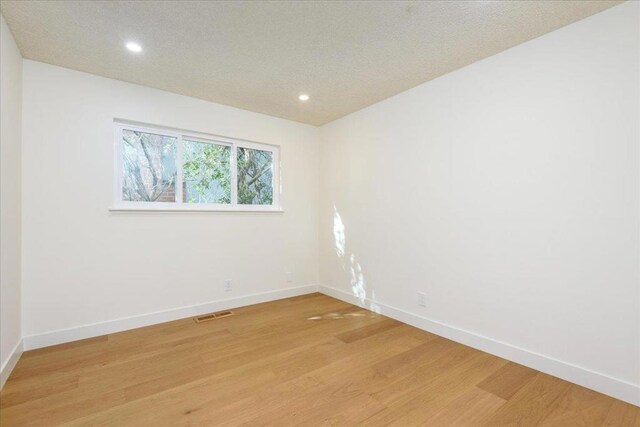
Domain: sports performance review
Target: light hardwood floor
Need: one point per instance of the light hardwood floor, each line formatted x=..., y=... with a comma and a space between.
x=310, y=360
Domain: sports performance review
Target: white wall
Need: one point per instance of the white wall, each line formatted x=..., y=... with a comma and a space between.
x=507, y=192
x=84, y=264
x=10, y=131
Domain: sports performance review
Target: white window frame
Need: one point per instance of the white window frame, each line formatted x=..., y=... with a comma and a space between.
x=123, y=205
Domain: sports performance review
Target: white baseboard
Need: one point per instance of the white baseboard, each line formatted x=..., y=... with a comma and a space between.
x=602, y=383
x=117, y=325
x=10, y=363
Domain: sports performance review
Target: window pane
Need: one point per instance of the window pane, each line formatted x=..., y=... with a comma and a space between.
x=149, y=163
x=255, y=177
x=207, y=173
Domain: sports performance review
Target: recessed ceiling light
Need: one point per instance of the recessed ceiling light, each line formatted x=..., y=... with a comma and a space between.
x=303, y=97
x=134, y=47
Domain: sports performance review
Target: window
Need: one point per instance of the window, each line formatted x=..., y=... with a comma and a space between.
x=206, y=169
x=255, y=176
x=149, y=167
x=158, y=169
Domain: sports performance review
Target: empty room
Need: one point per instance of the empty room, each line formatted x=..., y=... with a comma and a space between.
x=320, y=213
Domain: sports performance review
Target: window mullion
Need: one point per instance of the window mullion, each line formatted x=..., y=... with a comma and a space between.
x=275, y=178
x=179, y=177
x=234, y=174
x=119, y=172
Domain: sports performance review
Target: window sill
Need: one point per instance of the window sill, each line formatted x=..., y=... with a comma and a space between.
x=194, y=209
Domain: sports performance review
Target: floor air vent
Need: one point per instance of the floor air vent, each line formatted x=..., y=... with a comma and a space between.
x=212, y=316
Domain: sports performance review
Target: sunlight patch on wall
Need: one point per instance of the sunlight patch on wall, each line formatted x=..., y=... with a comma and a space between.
x=373, y=306
x=338, y=233
x=357, y=280
x=356, y=275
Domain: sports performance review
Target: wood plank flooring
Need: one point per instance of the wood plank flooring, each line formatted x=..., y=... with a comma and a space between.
x=310, y=360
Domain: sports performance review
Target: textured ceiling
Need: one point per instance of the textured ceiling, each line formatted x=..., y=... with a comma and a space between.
x=260, y=55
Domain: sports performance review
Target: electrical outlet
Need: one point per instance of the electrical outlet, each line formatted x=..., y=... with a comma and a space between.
x=422, y=299
x=289, y=277
x=228, y=287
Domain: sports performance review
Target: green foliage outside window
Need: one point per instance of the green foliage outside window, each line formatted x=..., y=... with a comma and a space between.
x=207, y=173
x=255, y=177
x=150, y=169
